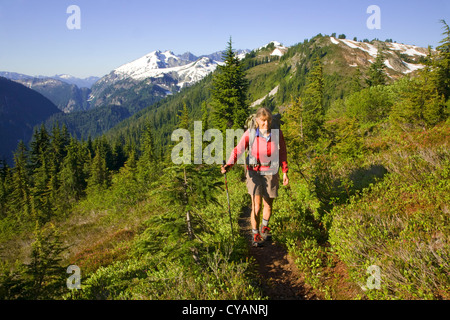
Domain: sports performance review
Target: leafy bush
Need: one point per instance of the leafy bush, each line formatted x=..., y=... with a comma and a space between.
x=402, y=224
x=370, y=105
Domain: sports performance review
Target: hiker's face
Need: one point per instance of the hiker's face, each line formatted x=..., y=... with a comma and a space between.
x=263, y=123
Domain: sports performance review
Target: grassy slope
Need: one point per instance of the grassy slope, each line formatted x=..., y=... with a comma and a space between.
x=397, y=219
x=150, y=257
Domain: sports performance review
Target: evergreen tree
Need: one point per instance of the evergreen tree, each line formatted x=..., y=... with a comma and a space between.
x=427, y=93
x=183, y=118
x=99, y=175
x=118, y=156
x=43, y=276
x=40, y=195
x=205, y=117
x=105, y=150
x=344, y=136
x=293, y=130
x=205, y=125
x=73, y=175
x=90, y=146
x=131, y=164
x=313, y=110
x=126, y=186
x=5, y=188
x=20, y=196
x=421, y=100
x=442, y=62
x=54, y=186
x=377, y=75
x=355, y=84
x=229, y=93
x=147, y=164
x=59, y=141
x=40, y=146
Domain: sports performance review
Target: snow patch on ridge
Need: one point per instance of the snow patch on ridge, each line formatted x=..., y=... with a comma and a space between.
x=270, y=94
x=372, y=50
x=413, y=67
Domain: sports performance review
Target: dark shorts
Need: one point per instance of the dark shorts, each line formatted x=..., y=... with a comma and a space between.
x=264, y=185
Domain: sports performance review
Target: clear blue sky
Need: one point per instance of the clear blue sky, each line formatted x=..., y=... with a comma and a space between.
x=35, y=40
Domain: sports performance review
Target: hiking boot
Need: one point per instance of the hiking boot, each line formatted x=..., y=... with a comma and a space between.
x=265, y=233
x=257, y=241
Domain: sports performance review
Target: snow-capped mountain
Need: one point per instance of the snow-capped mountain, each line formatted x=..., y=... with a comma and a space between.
x=156, y=64
x=164, y=71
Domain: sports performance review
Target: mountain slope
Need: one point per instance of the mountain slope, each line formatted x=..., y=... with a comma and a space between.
x=67, y=97
x=340, y=57
x=275, y=78
x=20, y=110
x=400, y=59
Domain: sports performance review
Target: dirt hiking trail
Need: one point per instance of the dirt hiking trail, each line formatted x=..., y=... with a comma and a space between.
x=279, y=277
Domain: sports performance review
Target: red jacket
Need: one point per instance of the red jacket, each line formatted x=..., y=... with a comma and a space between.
x=262, y=150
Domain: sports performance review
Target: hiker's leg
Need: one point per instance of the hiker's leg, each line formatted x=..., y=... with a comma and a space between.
x=271, y=192
x=257, y=241
x=256, y=209
x=267, y=210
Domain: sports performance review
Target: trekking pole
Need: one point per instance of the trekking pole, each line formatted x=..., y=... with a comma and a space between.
x=228, y=199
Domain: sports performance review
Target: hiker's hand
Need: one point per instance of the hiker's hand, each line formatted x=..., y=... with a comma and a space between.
x=224, y=168
x=285, y=179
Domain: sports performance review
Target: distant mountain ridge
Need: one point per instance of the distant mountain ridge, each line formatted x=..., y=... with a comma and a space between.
x=79, y=82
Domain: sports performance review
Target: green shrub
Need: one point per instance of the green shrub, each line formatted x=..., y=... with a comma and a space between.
x=401, y=224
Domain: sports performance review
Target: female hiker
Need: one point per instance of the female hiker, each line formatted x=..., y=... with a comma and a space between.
x=266, y=153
